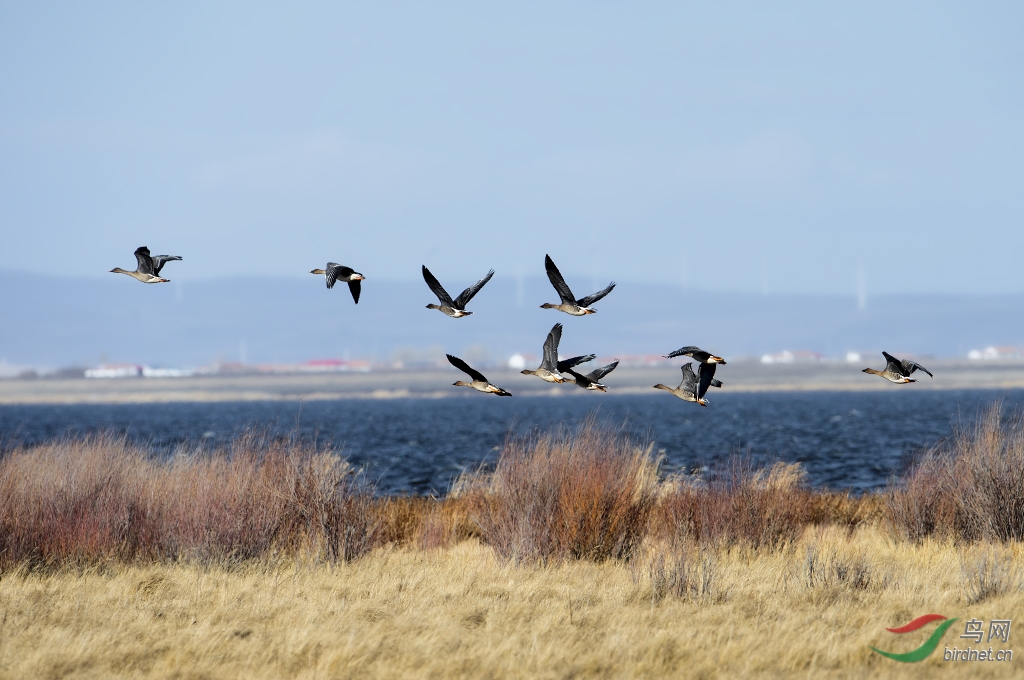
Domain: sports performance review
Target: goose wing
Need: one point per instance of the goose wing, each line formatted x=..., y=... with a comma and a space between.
x=555, y=277
x=565, y=364
x=706, y=373
x=911, y=366
x=467, y=295
x=581, y=380
x=465, y=368
x=690, y=351
x=716, y=382
x=160, y=260
x=355, y=288
x=591, y=299
x=438, y=289
x=597, y=374
x=336, y=271
x=689, y=383
x=895, y=365
x=550, y=360
x=144, y=260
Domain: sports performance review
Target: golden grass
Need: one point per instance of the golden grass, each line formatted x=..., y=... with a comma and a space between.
x=808, y=609
x=572, y=558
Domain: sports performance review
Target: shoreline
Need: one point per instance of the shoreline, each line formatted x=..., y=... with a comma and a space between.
x=740, y=377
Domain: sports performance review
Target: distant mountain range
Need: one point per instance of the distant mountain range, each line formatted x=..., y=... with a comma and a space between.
x=52, y=322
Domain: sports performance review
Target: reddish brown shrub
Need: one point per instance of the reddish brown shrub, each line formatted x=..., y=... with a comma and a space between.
x=971, y=487
x=102, y=498
x=581, y=494
x=739, y=503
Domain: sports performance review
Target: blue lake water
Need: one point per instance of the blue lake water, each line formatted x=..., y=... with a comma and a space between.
x=845, y=440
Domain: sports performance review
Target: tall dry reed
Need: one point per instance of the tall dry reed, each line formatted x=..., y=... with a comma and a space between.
x=101, y=497
x=567, y=494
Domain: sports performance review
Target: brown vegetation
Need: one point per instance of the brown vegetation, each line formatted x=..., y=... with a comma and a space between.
x=592, y=493
x=101, y=498
x=571, y=558
x=969, y=488
x=581, y=495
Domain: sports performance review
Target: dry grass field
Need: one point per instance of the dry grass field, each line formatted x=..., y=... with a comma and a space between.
x=571, y=558
x=809, y=609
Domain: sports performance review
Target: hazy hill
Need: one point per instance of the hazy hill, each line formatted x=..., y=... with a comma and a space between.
x=57, y=322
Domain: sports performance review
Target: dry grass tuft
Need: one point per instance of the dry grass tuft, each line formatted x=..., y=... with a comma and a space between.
x=988, y=575
x=580, y=494
x=833, y=569
x=690, y=574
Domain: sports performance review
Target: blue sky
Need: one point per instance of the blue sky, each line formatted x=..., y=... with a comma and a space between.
x=726, y=147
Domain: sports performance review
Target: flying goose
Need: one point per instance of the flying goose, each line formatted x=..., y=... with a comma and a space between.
x=148, y=269
x=898, y=370
x=697, y=354
x=569, y=304
x=480, y=383
x=549, y=369
x=456, y=308
x=693, y=388
x=336, y=272
x=591, y=381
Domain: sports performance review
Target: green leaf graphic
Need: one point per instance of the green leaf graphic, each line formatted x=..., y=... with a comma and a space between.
x=924, y=650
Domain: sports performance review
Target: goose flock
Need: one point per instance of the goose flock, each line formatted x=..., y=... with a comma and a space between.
x=692, y=388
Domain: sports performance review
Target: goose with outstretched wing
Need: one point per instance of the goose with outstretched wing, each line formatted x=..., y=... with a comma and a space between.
x=454, y=308
x=548, y=370
x=569, y=304
x=592, y=380
x=479, y=383
x=898, y=370
x=697, y=354
x=693, y=386
x=148, y=267
x=336, y=272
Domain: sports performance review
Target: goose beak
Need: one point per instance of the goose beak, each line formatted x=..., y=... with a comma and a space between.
x=358, y=277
